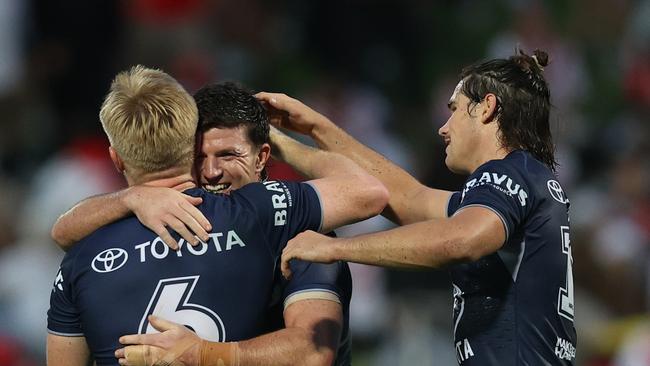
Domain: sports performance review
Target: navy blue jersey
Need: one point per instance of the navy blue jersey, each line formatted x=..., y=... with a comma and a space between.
x=515, y=306
x=307, y=276
x=112, y=280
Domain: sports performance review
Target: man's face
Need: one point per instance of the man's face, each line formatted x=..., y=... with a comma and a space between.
x=228, y=160
x=460, y=133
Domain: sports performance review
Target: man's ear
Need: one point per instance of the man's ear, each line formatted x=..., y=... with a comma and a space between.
x=117, y=161
x=490, y=107
x=262, y=157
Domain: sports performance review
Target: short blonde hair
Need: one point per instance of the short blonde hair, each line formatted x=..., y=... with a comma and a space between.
x=150, y=120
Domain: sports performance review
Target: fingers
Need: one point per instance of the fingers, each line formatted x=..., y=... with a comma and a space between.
x=181, y=229
x=161, y=324
x=284, y=266
x=188, y=221
x=137, y=338
x=163, y=208
x=270, y=98
x=161, y=231
x=196, y=221
x=276, y=114
x=138, y=355
x=279, y=101
x=195, y=201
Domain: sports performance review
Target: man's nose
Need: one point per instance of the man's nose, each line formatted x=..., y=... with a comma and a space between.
x=442, y=131
x=212, y=169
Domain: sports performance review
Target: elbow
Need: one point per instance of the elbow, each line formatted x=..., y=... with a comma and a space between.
x=319, y=358
x=316, y=347
x=377, y=196
x=57, y=234
x=462, y=249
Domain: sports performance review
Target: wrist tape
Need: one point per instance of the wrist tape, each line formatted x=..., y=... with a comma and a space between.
x=218, y=354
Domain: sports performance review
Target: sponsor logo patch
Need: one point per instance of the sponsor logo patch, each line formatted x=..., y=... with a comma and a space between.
x=556, y=191
x=501, y=182
x=110, y=260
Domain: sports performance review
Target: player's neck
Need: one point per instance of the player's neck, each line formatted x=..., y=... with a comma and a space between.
x=488, y=153
x=172, y=178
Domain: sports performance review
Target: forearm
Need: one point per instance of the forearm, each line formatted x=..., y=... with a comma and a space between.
x=289, y=346
x=310, y=162
x=406, y=204
x=469, y=235
x=311, y=336
x=87, y=216
x=428, y=244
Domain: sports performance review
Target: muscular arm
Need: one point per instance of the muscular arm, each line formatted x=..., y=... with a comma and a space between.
x=410, y=201
x=348, y=194
x=67, y=351
x=311, y=337
x=467, y=236
x=87, y=216
x=155, y=207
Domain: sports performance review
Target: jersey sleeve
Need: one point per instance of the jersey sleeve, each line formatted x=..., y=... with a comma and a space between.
x=318, y=281
x=63, y=317
x=500, y=188
x=284, y=209
x=453, y=203
x=313, y=281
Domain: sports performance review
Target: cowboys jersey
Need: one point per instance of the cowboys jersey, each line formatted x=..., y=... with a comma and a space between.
x=113, y=279
x=515, y=306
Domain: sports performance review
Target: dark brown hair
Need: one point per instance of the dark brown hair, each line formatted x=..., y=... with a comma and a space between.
x=230, y=105
x=523, y=101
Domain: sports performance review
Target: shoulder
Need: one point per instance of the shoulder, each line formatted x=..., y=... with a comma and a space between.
x=271, y=187
x=504, y=175
x=517, y=172
x=275, y=194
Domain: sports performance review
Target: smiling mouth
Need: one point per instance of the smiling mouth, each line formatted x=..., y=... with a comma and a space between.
x=217, y=188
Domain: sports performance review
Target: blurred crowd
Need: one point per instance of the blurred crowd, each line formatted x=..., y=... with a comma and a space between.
x=384, y=72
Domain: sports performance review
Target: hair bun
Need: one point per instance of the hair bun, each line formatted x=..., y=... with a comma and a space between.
x=541, y=58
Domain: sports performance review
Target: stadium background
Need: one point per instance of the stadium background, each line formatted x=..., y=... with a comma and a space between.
x=381, y=69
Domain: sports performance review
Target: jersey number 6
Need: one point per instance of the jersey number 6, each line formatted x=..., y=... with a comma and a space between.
x=170, y=301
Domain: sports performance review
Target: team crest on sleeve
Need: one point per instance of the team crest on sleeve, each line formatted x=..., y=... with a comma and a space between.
x=110, y=260
x=501, y=182
x=556, y=191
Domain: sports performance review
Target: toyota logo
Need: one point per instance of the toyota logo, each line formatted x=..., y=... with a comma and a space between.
x=556, y=191
x=110, y=260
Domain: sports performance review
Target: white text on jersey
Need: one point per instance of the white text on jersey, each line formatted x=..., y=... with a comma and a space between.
x=279, y=202
x=463, y=350
x=497, y=180
x=565, y=350
x=159, y=250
